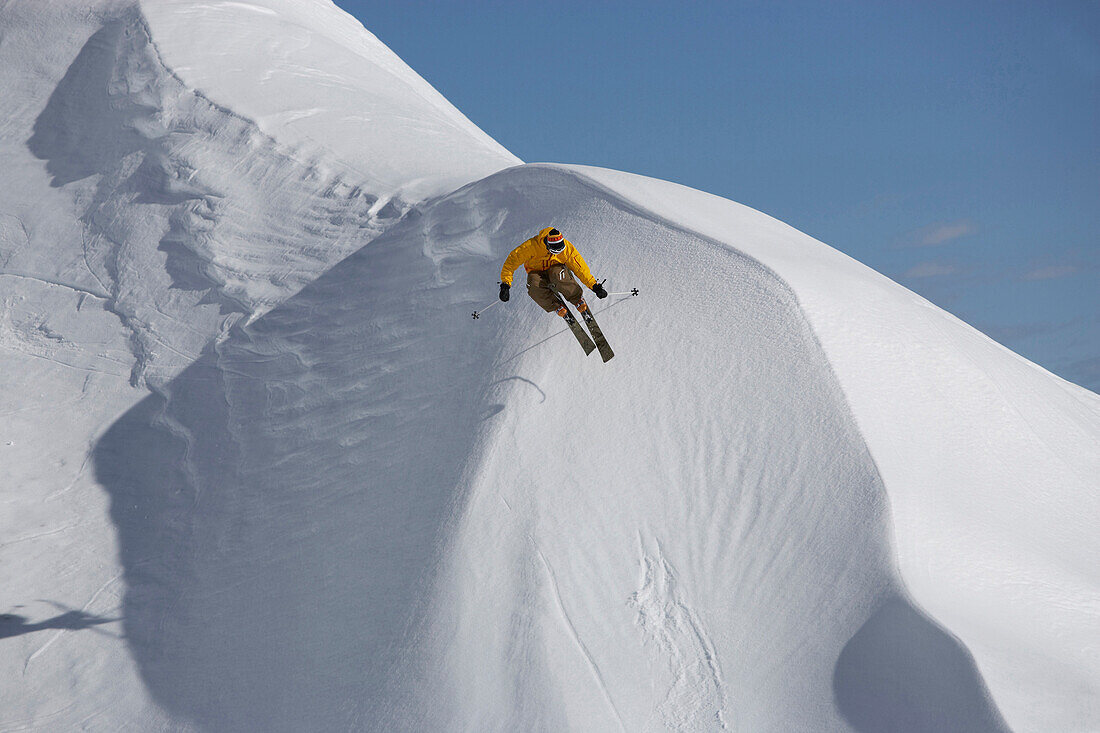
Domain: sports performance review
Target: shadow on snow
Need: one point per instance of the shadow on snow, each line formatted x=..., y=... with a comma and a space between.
x=903, y=673
x=281, y=503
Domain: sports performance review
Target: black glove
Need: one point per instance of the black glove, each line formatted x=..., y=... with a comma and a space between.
x=599, y=291
x=505, y=291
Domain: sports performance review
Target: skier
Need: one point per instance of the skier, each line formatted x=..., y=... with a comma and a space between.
x=551, y=260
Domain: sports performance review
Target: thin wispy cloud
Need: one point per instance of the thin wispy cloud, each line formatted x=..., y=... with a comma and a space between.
x=932, y=269
x=1051, y=272
x=939, y=234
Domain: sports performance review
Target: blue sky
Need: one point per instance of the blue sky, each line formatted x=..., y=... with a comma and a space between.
x=953, y=146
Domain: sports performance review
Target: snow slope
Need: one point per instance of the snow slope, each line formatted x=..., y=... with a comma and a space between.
x=311, y=76
x=558, y=524
x=991, y=462
x=254, y=440
x=139, y=219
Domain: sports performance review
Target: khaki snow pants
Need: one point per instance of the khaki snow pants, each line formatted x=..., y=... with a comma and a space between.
x=542, y=285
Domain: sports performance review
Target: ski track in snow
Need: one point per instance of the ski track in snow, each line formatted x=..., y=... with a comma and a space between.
x=61, y=632
x=697, y=698
x=578, y=642
x=47, y=281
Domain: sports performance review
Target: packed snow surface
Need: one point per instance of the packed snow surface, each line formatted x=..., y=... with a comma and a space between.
x=264, y=472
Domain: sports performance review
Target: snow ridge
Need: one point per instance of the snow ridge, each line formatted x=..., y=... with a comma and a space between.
x=205, y=184
x=312, y=77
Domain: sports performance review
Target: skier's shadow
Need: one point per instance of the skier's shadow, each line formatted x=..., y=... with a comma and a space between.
x=13, y=624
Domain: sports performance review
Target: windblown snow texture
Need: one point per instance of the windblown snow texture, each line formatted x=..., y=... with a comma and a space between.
x=183, y=204
x=266, y=473
x=547, y=557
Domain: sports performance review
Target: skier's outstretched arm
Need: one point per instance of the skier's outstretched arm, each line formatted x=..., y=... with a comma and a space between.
x=514, y=260
x=511, y=264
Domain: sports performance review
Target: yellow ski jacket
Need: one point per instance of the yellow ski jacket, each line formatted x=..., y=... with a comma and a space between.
x=534, y=256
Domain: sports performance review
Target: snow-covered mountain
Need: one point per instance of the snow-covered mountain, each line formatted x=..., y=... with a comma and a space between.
x=263, y=472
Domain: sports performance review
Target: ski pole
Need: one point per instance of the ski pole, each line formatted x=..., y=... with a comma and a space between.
x=633, y=291
x=477, y=313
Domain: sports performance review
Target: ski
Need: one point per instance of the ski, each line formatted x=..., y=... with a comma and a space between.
x=597, y=335
x=582, y=336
